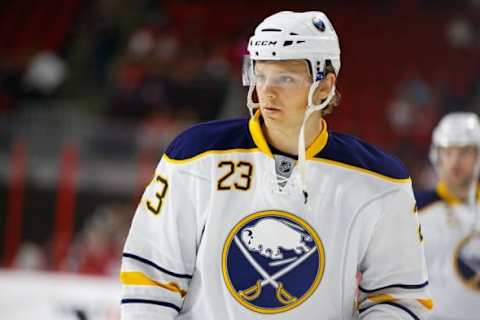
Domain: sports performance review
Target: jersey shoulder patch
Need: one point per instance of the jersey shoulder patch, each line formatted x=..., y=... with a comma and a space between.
x=425, y=198
x=210, y=136
x=352, y=151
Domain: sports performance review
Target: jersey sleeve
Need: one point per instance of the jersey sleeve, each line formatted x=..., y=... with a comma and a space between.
x=394, y=277
x=160, y=250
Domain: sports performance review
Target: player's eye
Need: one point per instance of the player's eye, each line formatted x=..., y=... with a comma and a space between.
x=287, y=79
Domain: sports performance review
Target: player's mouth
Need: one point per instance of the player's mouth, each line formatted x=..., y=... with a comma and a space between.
x=271, y=109
x=457, y=171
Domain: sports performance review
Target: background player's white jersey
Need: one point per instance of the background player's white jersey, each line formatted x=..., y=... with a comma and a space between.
x=452, y=253
x=214, y=238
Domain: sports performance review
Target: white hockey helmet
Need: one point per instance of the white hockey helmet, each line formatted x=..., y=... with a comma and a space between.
x=455, y=129
x=291, y=35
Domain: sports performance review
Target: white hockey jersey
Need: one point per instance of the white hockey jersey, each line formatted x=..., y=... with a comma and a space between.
x=214, y=238
x=452, y=253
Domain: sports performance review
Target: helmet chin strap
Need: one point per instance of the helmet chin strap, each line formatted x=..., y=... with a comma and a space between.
x=311, y=108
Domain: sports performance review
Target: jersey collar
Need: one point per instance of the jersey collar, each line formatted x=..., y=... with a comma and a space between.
x=256, y=132
x=449, y=197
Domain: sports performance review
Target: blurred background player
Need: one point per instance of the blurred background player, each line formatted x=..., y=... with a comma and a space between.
x=273, y=216
x=449, y=217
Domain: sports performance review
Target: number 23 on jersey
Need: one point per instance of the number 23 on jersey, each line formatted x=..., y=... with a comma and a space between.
x=235, y=175
x=160, y=185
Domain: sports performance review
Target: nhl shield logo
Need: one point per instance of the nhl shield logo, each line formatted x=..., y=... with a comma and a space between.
x=285, y=166
x=272, y=261
x=467, y=261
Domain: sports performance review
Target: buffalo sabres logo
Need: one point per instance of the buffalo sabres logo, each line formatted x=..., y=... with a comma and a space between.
x=467, y=261
x=272, y=261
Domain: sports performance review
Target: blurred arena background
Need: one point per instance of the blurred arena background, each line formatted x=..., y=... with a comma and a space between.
x=91, y=92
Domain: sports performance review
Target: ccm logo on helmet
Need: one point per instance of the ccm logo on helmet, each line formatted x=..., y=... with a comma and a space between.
x=263, y=43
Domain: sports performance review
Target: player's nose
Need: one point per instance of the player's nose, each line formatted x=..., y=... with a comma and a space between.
x=268, y=90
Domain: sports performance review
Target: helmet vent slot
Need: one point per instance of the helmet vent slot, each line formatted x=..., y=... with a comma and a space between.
x=272, y=30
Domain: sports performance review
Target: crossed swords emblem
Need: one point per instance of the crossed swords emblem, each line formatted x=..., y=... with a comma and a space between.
x=281, y=292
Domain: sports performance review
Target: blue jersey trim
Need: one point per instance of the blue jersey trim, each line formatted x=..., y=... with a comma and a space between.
x=156, y=266
x=426, y=197
x=350, y=150
x=413, y=315
x=397, y=285
x=159, y=303
x=209, y=136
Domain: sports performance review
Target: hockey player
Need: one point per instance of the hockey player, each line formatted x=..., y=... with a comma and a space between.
x=449, y=217
x=273, y=217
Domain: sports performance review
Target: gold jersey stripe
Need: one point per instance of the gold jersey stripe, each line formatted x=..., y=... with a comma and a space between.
x=381, y=298
x=140, y=279
x=427, y=303
x=206, y=153
x=372, y=173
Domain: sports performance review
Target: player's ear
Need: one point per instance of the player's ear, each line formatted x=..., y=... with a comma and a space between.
x=324, y=88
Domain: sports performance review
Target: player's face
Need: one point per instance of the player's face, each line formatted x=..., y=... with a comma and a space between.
x=282, y=89
x=457, y=164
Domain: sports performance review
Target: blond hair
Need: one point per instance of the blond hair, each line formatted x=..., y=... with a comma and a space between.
x=337, y=97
